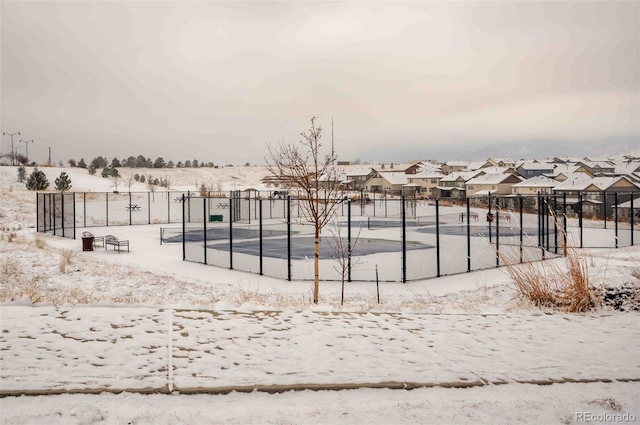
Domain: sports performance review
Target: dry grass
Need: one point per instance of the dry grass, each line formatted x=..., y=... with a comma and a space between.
x=39, y=241
x=67, y=255
x=548, y=284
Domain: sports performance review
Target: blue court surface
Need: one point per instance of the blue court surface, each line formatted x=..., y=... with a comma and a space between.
x=302, y=247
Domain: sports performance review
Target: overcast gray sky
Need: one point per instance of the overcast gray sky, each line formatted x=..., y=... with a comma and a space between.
x=217, y=81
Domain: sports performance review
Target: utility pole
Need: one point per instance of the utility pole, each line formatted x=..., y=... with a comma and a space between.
x=12, y=151
x=49, y=155
x=26, y=145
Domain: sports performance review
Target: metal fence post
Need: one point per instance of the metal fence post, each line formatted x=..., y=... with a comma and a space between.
x=564, y=223
x=289, y=237
x=489, y=217
x=604, y=209
x=580, y=217
x=349, y=240
x=204, y=221
x=404, y=240
x=231, y=218
x=74, y=215
x=168, y=207
x=555, y=223
x=184, y=230
x=497, y=234
x=437, y=237
x=84, y=209
x=615, y=210
x=149, y=207
x=260, y=233
x=62, y=211
x=106, y=195
x=468, y=235
x=38, y=212
x=130, y=208
x=521, y=202
x=632, y=218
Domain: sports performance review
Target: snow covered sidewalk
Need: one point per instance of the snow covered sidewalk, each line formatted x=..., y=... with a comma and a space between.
x=95, y=349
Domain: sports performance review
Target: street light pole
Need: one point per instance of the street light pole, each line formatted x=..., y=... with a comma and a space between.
x=26, y=145
x=12, y=151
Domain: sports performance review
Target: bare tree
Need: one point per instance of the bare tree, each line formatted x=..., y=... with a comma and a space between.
x=130, y=180
x=301, y=166
x=152, y=185
x=343, y=252
x=115, y=180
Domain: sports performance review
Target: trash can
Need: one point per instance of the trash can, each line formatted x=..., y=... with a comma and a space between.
x=87, y=241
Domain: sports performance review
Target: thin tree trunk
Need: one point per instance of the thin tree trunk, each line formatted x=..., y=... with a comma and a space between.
x=316, y=265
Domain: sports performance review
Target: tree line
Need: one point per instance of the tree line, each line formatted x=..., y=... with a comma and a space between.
x=137, y=162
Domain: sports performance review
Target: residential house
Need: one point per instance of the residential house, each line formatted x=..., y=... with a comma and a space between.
x=425, y=182
x=534, y=186
x=389, y=182
x=357, y=177
x=597, y=194
x=530, y=188
x=533, y=169
x=454, y=166
x=491, y=184
x=599, y=168
x=500, y=162
x=453, y=185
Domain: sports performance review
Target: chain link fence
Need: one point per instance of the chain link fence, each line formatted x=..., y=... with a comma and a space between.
x=392, y=238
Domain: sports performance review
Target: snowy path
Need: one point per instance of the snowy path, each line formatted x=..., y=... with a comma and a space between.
x=46, y=350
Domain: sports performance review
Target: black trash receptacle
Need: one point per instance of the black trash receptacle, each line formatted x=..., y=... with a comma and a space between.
x=87, y=241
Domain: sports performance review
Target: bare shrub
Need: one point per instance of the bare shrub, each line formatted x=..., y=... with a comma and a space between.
x=62, y=265
x=9, y=268
x=39, y=241
x=67, y=255
x=547, y=284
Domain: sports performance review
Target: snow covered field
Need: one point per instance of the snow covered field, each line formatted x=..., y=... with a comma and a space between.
x=196, y=344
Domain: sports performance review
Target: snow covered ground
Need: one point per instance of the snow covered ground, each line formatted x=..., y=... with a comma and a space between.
x=143, y=337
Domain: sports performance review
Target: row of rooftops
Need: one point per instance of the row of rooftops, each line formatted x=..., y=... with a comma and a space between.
x=571, y=174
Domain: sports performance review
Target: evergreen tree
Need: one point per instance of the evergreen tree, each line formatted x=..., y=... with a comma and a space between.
x=179, y=164
x=142, y=179
x=187, y=164
x=37, y=180
x=99, y=162
x=63, y=182
x=170, y=164
x=140, y=161
x=159, y=163
x=115, y=162
x=110, y=172
x=194, y=163
x=136, y=177
x=92, y=169
x=82, y=164
x=22, y=173
x=131, y=162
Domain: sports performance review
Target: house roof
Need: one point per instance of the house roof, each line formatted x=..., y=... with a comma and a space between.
x=361, y=171
x=427, y=174
x=582, y=183
x=540, y=166
x=464, y=175
x=492, y=179
x=537, y=181
x=394, y=178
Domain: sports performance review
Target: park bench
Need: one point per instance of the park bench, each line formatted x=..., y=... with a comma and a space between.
x=115, y=242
